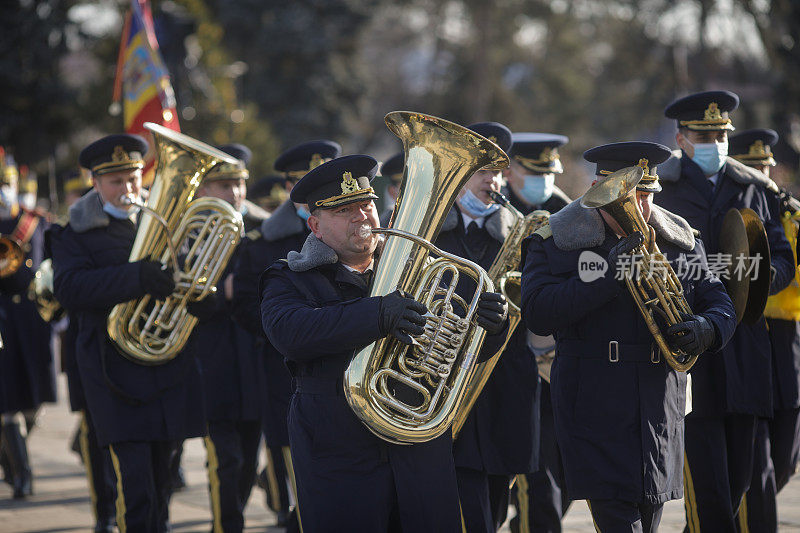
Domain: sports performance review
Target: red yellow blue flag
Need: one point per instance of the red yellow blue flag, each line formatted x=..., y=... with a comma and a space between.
x=142, y=83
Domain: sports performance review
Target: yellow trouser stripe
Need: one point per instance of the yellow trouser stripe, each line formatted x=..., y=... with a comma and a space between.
x=123, y=528
x=743, y=525
x=690, y=503
x=272, y=481
x=591, y=512
x=287, y=459
x=83, y=439
x=461, y=514
x=522, y=504
x=213, y=481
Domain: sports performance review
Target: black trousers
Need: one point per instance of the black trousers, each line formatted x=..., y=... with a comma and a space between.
x=717, y=470
x=232, y=455
x=775, y=460
x=541, y=498
x=483, y=498
x=99, y=472
x=143, y=484
x=615, y=516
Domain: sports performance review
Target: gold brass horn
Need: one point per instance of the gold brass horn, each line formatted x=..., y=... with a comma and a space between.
x=204, y=231
x=411, y=394
x=653, y=284
x=504, y=273
x=40, y=292
x=11, y=256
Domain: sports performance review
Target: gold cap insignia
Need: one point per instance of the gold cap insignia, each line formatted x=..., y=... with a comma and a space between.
x=493, y=139
x=643, y=163
x=349, y=183
x=120, y=155
x=316, y=160
x=712, y=113
x=548, y=154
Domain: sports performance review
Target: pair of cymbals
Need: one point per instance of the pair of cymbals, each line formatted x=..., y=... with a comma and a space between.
x=744, y=238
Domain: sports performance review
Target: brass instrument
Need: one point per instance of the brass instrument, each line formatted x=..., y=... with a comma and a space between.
x=504, y=273
x=653, y=284
x=204, y=231
x=40, y=292
x=11, y=256
x=411, y=394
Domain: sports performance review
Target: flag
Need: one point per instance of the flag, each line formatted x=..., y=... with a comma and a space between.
x=142, y=82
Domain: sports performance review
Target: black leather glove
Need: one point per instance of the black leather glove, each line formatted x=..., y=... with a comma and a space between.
x=492, y=312
x=156, y=281
x=205, y=308
x=400, y=314
x=625, y=246
x=693, y=336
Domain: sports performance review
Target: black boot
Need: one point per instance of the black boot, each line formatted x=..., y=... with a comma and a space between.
x=5, y=466
x=17, y=451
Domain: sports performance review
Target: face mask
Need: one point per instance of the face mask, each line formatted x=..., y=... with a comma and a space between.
x=710, y=156
x=538, y=189
x=474, y=207
x=119, y=212
x=8, y=198
x=303, y=213
x=28, y=200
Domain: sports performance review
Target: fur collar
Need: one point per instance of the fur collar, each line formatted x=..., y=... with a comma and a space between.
x=576, y=228
x=670, y=170
x=87, y=213
x=313, y=254
x=283, y=223
x=498, y=225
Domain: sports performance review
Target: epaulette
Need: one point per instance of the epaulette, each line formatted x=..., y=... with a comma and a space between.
x=696, y=233
x=545, y=232
x=253, y=234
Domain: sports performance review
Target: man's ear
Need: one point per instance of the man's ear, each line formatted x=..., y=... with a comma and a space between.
x=313, y=225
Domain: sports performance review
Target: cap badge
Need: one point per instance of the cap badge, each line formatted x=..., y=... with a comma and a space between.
x=643, y=163
x=316, y=160
x=349, y=183
x=713, y=112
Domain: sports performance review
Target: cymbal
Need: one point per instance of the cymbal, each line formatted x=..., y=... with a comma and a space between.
x=733, y=241
x=759, y=282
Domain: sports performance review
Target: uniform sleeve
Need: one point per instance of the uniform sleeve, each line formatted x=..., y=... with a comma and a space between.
x=81, y=286
x=553, y=301
x=781, y=256
x=302, y=332
x=712, y=301
x=246, y=310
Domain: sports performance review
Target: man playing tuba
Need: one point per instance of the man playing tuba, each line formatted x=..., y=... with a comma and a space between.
x=315, y=311
x=138, y=411
x=618, y=406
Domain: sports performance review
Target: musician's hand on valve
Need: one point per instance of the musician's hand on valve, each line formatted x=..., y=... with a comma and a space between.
x=492, y=312
x=402, y=316
x=624, y=247
x=156, y=280
x=693, y=336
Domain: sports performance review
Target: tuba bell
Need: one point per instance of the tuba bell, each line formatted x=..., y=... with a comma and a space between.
x=656, y=291
x=504, y=273
x=407, y=394
x=204, y=232
x=11, y=256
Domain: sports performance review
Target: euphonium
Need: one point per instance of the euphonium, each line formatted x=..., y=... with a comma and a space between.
x=204, y=231
x=411, y=394
x=652, y=283
x=504, y=273
x=11, y=256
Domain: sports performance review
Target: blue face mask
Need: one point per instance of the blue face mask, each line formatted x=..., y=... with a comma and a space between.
x=538, y=189
x=118, y=212
x=710, y=156
x=303, y=213
x=474, y=207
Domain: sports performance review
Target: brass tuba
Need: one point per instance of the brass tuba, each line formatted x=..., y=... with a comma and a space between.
x=204, y=231
x=411, y=394
x=653, y=284
x=504, y=273
x=40, y=292
x=11, y=256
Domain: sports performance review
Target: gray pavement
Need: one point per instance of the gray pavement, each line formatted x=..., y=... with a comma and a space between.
x=61, y=500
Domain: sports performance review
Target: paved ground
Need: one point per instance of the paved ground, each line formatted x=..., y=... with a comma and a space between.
x=61, y=502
